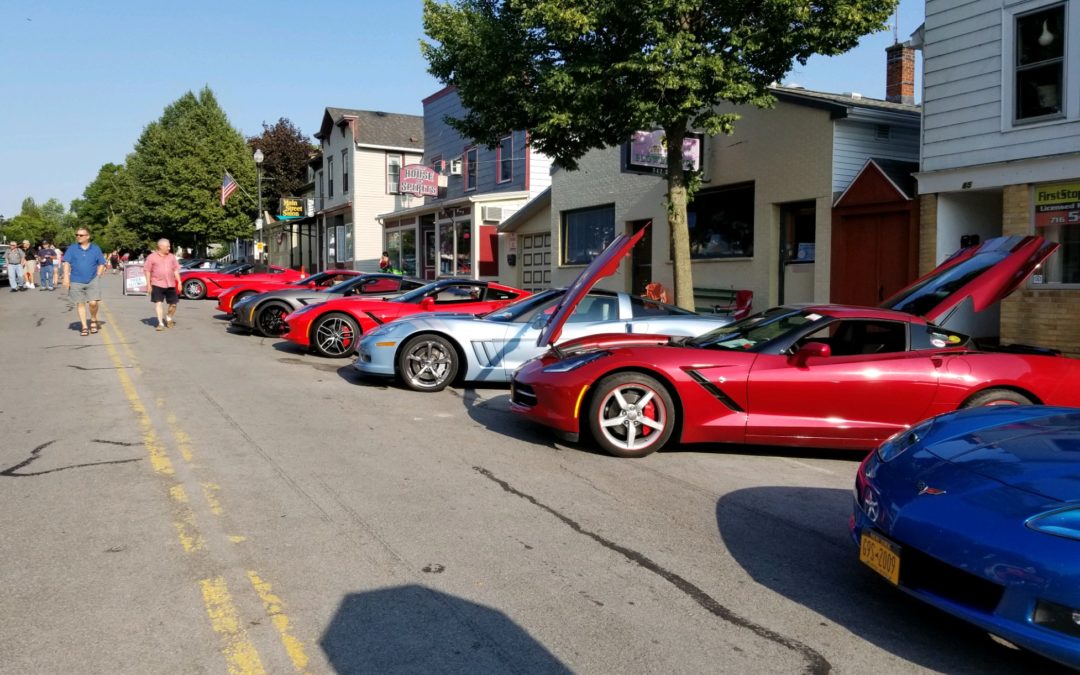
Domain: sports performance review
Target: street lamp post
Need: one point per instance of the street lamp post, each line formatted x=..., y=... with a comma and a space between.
x=259, y=221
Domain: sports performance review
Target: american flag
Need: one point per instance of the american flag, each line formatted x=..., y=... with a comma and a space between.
x=228, y=186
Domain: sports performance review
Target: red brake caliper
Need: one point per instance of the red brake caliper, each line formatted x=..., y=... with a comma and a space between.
x=648, y=411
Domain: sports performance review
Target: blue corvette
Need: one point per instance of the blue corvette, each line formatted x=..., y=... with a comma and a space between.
x=977, y=512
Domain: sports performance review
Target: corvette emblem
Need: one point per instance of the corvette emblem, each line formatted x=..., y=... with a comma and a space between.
x=925, y=489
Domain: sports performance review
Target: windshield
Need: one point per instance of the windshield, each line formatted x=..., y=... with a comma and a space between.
x=756, y=330
x=343, y=286
x=419, y=293
x=525, y=309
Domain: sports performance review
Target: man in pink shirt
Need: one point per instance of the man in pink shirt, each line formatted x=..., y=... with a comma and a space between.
x=163, y=277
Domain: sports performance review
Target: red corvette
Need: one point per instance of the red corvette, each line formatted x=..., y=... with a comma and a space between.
x=334, y=327
x=319, y=280
x=827, y=376
x=199, y=284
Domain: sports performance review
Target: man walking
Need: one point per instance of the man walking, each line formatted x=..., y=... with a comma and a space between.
x=84, y=263
x=163, y=276
x=15, y=258
x=46, y=266
x=30, y=264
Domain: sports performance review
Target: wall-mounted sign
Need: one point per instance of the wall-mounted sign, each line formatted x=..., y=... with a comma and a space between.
x=1057, y=204
x=647, y=152
x=419, y=180
x=291, y=208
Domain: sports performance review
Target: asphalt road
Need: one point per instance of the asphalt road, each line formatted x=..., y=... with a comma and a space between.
x=197, y=501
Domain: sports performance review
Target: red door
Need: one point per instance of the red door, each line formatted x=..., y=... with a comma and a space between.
x=871, y=257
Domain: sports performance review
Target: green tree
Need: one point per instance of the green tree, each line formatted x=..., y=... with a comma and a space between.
x=40, y=221
x=177, y=168
x=585, y=74
x=286, y=151
x=106, y=206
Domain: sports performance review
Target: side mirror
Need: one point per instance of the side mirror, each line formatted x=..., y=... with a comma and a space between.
x=311, y=284
x=427, y=304
x=810, y=350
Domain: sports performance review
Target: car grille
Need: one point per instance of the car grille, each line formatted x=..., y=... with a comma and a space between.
x=522, y=394
x=919, y=571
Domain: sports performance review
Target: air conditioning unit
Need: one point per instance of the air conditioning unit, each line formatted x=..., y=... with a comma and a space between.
x=491, y=213
x=455, y=167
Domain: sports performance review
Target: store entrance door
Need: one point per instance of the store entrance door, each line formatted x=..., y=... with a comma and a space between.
x=641, y=274
x=427, y=254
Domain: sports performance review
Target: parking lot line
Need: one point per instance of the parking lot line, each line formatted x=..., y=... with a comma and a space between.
x=240, y=653
x=276, y=609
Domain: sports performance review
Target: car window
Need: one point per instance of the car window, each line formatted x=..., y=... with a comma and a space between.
x=642, y=307
x=458, y=294
x=410, y=285
x=381, y=285
x=852, y=337
x=333, y=279
x=935, y=337
x=756, y=331
x=594, y=308
x=500, y=294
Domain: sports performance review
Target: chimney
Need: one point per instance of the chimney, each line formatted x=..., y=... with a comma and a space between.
x=900, y=74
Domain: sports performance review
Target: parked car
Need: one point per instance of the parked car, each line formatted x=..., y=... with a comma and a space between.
x=198, y=283
x=202, y=263
x=333, y=328
x=429, y=351
x=265, y=313
x=320, y=281
x=977, y=512
x=3, y=267
x=828, y=376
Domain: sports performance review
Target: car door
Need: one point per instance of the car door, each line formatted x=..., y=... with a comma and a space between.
x=870, y=386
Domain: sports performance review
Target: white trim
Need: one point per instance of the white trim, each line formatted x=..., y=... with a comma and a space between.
x=1069, y=98
x=1017, y=172
x=392, y=148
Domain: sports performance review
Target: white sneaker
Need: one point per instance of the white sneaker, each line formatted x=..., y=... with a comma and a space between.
x=30, y=285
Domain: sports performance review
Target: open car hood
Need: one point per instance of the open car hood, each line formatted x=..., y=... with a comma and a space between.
x=984, y=274
x=604, y=265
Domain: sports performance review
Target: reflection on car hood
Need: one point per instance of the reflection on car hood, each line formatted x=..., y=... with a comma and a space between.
x=1032, y=448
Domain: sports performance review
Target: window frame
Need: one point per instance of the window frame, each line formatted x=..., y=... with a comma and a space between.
x=718, y=190
x=394, y=188
x=1010, y=48
x=468, y=166
x=564, y=226
x=345, y=171
x=499, y=180
x=330, y=176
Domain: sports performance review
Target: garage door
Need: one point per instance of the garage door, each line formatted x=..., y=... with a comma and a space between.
x=535, y=261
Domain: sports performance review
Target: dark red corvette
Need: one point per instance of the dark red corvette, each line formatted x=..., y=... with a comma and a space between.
x=814, y=376
x=199, y=283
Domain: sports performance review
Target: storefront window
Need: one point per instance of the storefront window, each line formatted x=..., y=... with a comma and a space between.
x=1057, y=218
x=407, y=261
x=721, y=223
x=455, y=248
x=585, y=233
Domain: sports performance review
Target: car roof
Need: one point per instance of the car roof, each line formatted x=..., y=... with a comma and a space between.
x=857, y=312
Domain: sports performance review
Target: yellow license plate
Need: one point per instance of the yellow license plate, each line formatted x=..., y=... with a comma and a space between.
x=881, y=555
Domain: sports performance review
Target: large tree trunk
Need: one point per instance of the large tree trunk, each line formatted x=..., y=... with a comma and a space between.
x=677, y=199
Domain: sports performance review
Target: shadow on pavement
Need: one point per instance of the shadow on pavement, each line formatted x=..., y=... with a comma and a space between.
x=492, y=411
x=414, y=629
x=794, y=541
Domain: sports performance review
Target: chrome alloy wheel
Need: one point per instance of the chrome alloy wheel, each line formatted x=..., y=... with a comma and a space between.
x=335, y=336
x=427, y=364
x=632, y=416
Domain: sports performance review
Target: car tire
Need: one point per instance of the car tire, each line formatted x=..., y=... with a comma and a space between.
x=269, y=319
x=335, y=335
x=194, y=289
x=615, y=417
x=427, y=363
x=997, y=397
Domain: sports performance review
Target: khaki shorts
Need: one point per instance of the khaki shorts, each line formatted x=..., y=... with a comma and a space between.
x=81, y=293
x=29, y=266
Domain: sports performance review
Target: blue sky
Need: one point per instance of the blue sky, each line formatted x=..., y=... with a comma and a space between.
x=80, y=80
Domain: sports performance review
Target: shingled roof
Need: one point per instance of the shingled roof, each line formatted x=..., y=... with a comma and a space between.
x=840, y=103
x=374, y=127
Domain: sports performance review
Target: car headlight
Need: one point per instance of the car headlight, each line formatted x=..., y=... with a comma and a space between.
x=575, y=362
x=392, y=328
x=898, y=443
x=1061, y=522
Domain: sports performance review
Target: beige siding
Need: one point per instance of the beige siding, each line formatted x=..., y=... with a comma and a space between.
x=369, y=198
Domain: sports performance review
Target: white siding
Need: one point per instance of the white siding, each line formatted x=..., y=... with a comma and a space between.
x=854, y=142
x=369, y=198
x=539, y=173
x=967, y=87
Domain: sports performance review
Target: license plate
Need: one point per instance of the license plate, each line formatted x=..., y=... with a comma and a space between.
x=880, y=555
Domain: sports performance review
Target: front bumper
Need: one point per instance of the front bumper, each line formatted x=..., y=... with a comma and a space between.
x=549, y=399
x=970, y=554
x=375, y=360
x=243, y=316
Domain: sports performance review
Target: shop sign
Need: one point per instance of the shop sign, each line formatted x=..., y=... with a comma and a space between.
x=291, y=208
x=647, y=152
x=1057, y=204
x=134, y=279
x=419, y=180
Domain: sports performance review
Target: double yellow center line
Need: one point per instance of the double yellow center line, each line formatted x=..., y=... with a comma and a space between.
x=241, y=656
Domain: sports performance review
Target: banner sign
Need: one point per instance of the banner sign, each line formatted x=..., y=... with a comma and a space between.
x=134, y=279
x=419, y=180
x=647, y=152
x=291, y=208
x=1057, y=204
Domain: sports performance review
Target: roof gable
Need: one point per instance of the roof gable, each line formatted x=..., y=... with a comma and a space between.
x=878, y=181
x=375, y=127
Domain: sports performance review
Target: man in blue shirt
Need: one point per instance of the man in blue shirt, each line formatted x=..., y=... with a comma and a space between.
x=84, y=263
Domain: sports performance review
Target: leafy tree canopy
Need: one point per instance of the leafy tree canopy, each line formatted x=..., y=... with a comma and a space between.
x=36, y=222
x=586, y=74
x=286, y=151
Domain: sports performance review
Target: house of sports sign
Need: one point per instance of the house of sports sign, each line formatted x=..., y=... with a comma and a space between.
x=419, y=180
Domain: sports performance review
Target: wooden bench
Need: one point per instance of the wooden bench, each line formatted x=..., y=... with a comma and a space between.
x=727, y=301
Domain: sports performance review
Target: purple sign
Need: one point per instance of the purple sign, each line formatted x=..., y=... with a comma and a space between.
x=419, y=180
x=647, y=152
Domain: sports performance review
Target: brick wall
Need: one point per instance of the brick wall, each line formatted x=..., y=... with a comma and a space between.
x=900, y=74
x=927, y=233
x=1047, y=318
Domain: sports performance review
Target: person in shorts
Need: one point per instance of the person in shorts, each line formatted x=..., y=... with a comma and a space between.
x=162, y=271
x=84, y=263
x=30, y=265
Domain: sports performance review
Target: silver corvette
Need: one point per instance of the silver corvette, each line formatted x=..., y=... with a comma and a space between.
x=265, y=313
x=430, y=351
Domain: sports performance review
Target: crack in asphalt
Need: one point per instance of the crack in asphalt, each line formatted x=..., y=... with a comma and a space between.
x=35, y=454
x=817, y=664
x=105, y=368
